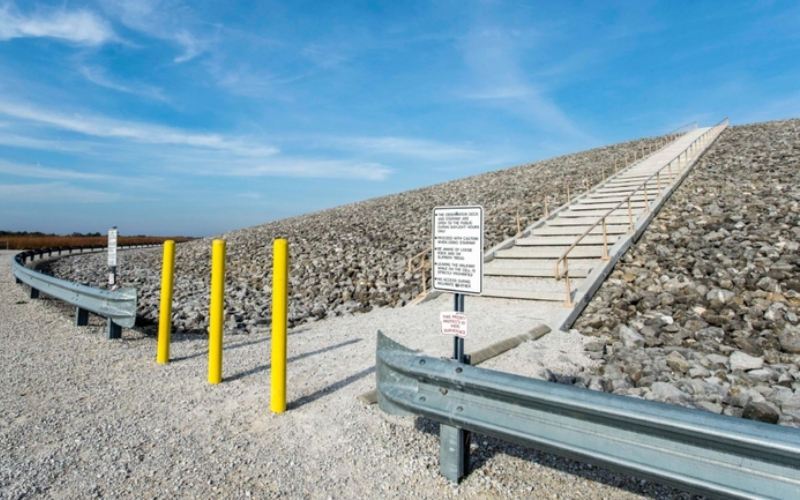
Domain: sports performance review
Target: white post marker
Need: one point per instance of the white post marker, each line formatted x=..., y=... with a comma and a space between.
x=458, y=249
x=112, y=255
x=454, y=323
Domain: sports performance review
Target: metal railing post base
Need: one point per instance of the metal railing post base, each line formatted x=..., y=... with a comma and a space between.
x=34, y=293
x=453, y=452
x=114, y=330
x=81, y=317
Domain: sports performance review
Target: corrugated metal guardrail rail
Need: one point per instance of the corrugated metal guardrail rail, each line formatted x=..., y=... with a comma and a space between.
x=697, y=451
x=118, y=306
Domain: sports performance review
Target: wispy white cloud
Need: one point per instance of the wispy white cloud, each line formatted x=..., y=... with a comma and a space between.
x=46, y=173
x=54, y=192
x=401, y=146
x=80, y=26
x=326, y=56
x=164, y=19
x=242, y=79
x=98, y=77
x=290, y=167
x=136, y=131
x=494, y=57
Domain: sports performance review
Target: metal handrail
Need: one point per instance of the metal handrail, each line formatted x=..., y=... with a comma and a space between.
x=602, y=219
x=700, y=451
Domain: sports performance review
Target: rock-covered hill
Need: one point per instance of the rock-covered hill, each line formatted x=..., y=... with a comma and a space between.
x=350, y=258
x=704, y=310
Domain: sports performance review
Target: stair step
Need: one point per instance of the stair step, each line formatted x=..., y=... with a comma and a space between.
x=547, y=241
x=588, y=221
x=525, y=295
x=579, y=252
x=578, y=230
x=651, y=188
x=590, y=205
x=526, y=272
x=622, y=211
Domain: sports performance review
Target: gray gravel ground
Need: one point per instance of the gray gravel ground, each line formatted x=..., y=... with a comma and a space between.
x=85, y=417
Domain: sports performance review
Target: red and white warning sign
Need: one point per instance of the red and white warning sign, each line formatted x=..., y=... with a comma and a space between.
x=454, y=323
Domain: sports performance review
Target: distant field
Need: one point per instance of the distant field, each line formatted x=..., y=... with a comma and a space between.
x=35, y=242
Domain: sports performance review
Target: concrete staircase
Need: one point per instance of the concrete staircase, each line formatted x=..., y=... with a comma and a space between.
x=524, y=267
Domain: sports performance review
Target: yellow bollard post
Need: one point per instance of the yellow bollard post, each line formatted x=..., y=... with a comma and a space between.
x=165, y=309
x=280, y=297
x=215, y=317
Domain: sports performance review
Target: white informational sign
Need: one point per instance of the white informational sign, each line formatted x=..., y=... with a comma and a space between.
x=454, y=323
x=112, y=247
x=458, y=249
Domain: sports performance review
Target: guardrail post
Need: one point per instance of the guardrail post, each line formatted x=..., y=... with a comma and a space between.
x=215, y=318
x=113, y=330
x=280, y=296
x=34, y=293
x=453, y=452
x=165, y=309
x=81, y=317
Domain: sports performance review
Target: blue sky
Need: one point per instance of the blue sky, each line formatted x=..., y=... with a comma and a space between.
x=193, y=118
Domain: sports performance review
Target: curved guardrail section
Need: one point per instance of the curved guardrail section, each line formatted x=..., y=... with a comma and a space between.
x=698, y=451
x=119, y=306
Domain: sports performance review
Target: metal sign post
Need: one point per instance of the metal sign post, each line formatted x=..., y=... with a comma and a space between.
x=457, y=267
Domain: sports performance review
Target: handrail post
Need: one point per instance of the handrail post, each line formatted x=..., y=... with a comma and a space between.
x=630, y=216
x=424, y=279
x=568, y=301
x=546, y=211
x=646, y=202
x=568, y=197
x=605, y=256
x=658, y=181
x=669, y=168
x=586, y=182
x=615, y=163
x=604, y=173
x=518, y=228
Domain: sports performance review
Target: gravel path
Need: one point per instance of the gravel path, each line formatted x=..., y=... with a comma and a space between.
x=85, y=417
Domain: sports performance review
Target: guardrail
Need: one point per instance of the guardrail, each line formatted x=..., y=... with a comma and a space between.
x=698, y=451
x=118, y=306
x=682, y=159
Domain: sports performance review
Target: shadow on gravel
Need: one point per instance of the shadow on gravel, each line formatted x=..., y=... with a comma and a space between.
x=289, y=360
x=484, y=448
x=331, y=388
